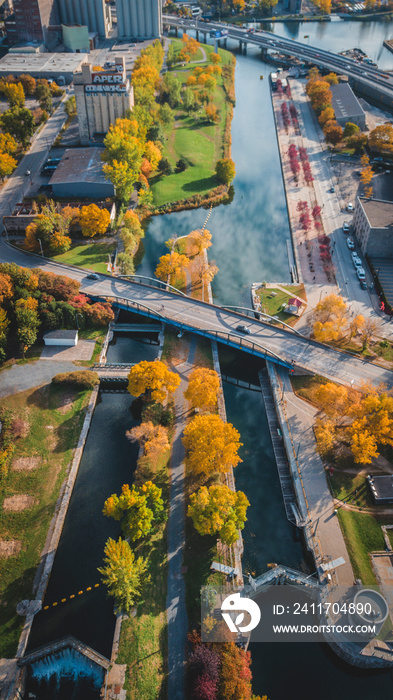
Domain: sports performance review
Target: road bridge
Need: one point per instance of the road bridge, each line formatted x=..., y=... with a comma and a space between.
x=264, y=340
x=368, y=80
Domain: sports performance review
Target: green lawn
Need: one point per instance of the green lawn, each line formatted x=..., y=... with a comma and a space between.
x=273, y=299
x=352, y=488
x=54, y=432
x=362, y=535
x=194, y=139
x=92, y=256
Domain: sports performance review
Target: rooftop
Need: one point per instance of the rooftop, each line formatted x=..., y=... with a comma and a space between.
x=344, y=102
x=381, y=488
x=379, y=212
x=79, y=165
x=41, y=62
x=60, y=335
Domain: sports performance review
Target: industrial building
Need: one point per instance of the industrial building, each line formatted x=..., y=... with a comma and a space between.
x=141, y=19
x=381, y=488
x=373, y=226
x=33, y=20
x=94, y=14
x=80, y=175
x=77, y=38
x=101, y=98
x=58, y=66
x=347, y=107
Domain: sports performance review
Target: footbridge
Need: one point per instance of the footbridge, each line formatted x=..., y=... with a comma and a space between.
x=368, y=80
x=68, y=642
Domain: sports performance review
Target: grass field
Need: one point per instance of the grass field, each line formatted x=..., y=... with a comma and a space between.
x=196, y=140
x=362, y=535
x=272, y=300
x=351, y=488
x=54, y=432
x=92, y=256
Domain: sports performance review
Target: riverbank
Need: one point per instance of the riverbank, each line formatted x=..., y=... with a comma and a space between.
x=197, y=140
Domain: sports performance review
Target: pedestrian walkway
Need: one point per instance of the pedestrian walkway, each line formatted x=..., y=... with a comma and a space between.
x=176, y=602
x=300, y=416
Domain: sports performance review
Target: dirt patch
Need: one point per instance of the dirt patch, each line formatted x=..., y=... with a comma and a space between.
x=65, y=402
x=9, y=548
x=18, y=502
x=25, y=464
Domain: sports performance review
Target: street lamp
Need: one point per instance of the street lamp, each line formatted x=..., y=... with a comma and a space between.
x=76, y=318
x=39, y=241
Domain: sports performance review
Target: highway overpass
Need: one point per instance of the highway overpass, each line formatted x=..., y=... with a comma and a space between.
x=266, y=341
x=371, y=82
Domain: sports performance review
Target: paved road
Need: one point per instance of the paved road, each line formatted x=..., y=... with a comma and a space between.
x=176, y=601
x=16, y=188
x=23, y=377
x=301, y=418
x=192, y=314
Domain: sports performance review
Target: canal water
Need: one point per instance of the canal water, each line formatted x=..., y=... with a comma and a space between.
x=108, y=461
x=281, y=671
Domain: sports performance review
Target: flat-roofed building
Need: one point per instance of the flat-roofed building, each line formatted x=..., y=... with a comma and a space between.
x=33, y=20
x=347, y=107
x=80, y=174
x=58, y=66
x=101, y=98
x=373, y=226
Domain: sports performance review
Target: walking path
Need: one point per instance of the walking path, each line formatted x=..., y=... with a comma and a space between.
x=176, y=602
x=301, y=417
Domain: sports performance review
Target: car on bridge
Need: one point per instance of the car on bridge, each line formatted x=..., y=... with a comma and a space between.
x=243, y=329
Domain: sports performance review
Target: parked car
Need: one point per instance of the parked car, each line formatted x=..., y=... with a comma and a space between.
x=350, y=243
x=243, y=329
x=356, y=260
x=93, y=276
x=360, y=273
x=52, y=161
x=350, y=206
x=332, y=189
x=345, y=227
x=363, y=284
x=45, y=188
x=27, y=173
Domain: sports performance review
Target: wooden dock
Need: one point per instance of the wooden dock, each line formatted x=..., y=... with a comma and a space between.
x=64, y=643
x=280, y=454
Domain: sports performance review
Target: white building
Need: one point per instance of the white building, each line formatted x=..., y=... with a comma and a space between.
x=67, y=338
x=101, y=98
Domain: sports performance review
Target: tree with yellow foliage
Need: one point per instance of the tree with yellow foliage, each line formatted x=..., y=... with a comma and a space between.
x=122, y=178
x=367, y=172
x=326, y=115
x=153, y=154
x=137, y=508
x=381, y=139
x=123, y=573
x=356, y=325
x=153, y=438
x=59, y=243
x=212, y=445
x=201, y=238
x=171, y=264
x=7, y=165
x=211, y=113
x=218, y=509
x=333, y=400
x=214, y=58
x=324, y=433
x=93, y=220
x=153, y=379
x=7, y=144
x=331, y=318
x=203, y=387
x=6, y=287
x=14, y=93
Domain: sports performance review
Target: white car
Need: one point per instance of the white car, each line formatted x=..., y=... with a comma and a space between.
x=350, y=243
x=345, y=227
x=350, y=206
x=361, y=273
x=356, y=260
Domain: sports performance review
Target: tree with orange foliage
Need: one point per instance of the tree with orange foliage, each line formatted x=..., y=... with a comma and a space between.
x=6, y=287
x=212, y=445
x=153, y=379
x=153, y=154
x=212, y=114
x=235, y=672
x=214, y=58
x=326, y=115
x=7, y=165
x=59, y=243
x=171, y=264
x=333, y=132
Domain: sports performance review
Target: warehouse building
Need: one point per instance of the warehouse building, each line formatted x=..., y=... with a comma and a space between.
x=80, y=175
x=101, y=98
x=58, y=66
x=347, y=107
x=141, y=19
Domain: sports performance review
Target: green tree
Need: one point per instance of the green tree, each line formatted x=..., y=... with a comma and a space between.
x=44, y=96
x=189, y=103
x=217, y=509
x=123, y=573
x=27, y=322
x=350, y=129
x=70, y=106
x=19, y=122
x=166, y=115
x=225, y=170
x=122, y=178
x=171, y=90
x=137, y=509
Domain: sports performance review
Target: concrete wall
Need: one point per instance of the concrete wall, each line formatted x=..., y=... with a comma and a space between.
x=139, y=18
x=358, y=119
x=96, y=112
